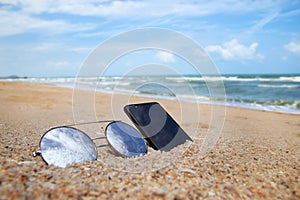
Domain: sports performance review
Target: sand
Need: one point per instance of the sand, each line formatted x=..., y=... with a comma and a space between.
x=256, y=156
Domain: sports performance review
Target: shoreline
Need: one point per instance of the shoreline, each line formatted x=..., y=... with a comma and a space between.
x=241, y=105
x=256, y=156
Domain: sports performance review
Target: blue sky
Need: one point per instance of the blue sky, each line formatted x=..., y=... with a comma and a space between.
x=53, y=38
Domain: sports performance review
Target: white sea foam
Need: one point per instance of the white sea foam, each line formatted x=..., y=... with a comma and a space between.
x=241, y=90
x=278, y=86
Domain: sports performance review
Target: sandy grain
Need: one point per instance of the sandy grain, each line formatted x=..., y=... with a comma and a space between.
x=257, y=156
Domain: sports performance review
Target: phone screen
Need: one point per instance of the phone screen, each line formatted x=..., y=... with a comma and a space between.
x=159, y=129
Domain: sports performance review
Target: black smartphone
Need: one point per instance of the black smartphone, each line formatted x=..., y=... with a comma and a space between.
x=160, y=130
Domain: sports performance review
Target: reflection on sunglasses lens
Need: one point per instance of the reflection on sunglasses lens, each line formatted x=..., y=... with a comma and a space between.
x=125, y=139
x=62, y=146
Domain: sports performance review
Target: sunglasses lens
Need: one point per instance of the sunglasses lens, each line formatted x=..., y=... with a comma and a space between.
x=125, y=139
x=62, y=146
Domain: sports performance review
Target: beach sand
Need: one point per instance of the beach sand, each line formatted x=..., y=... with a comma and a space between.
x=256, y=157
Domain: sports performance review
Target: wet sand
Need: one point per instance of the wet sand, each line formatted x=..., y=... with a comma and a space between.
x=256, y=156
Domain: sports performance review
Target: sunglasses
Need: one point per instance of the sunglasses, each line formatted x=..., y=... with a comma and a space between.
x=64, y=145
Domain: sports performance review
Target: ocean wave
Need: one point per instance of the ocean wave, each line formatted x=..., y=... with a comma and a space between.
x=293, y=79
x=236, y=78
x=295, y=104
x=285, y=106
x=241, y=91
x=278, y=86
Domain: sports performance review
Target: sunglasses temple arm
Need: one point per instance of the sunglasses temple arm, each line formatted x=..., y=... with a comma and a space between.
x=103, y=145
x=101, y=121
x=98, y=138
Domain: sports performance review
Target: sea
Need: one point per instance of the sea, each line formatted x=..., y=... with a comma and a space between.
x=269, y=92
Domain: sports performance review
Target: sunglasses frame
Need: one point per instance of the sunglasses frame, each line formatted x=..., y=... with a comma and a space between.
x=39, y=152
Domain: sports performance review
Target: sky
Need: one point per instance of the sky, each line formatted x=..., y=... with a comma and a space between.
x=45, y=38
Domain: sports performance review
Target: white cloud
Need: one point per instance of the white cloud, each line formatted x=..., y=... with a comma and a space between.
x=19, y=16
x=261, y=23
x=46, y=46
x=59, y=64
x=77, y=7
x=233, y=50
x=165, y=57
x=12, y=23
x=52, y=47
x=293, y=47
x=134, y=8
x=284, y=58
